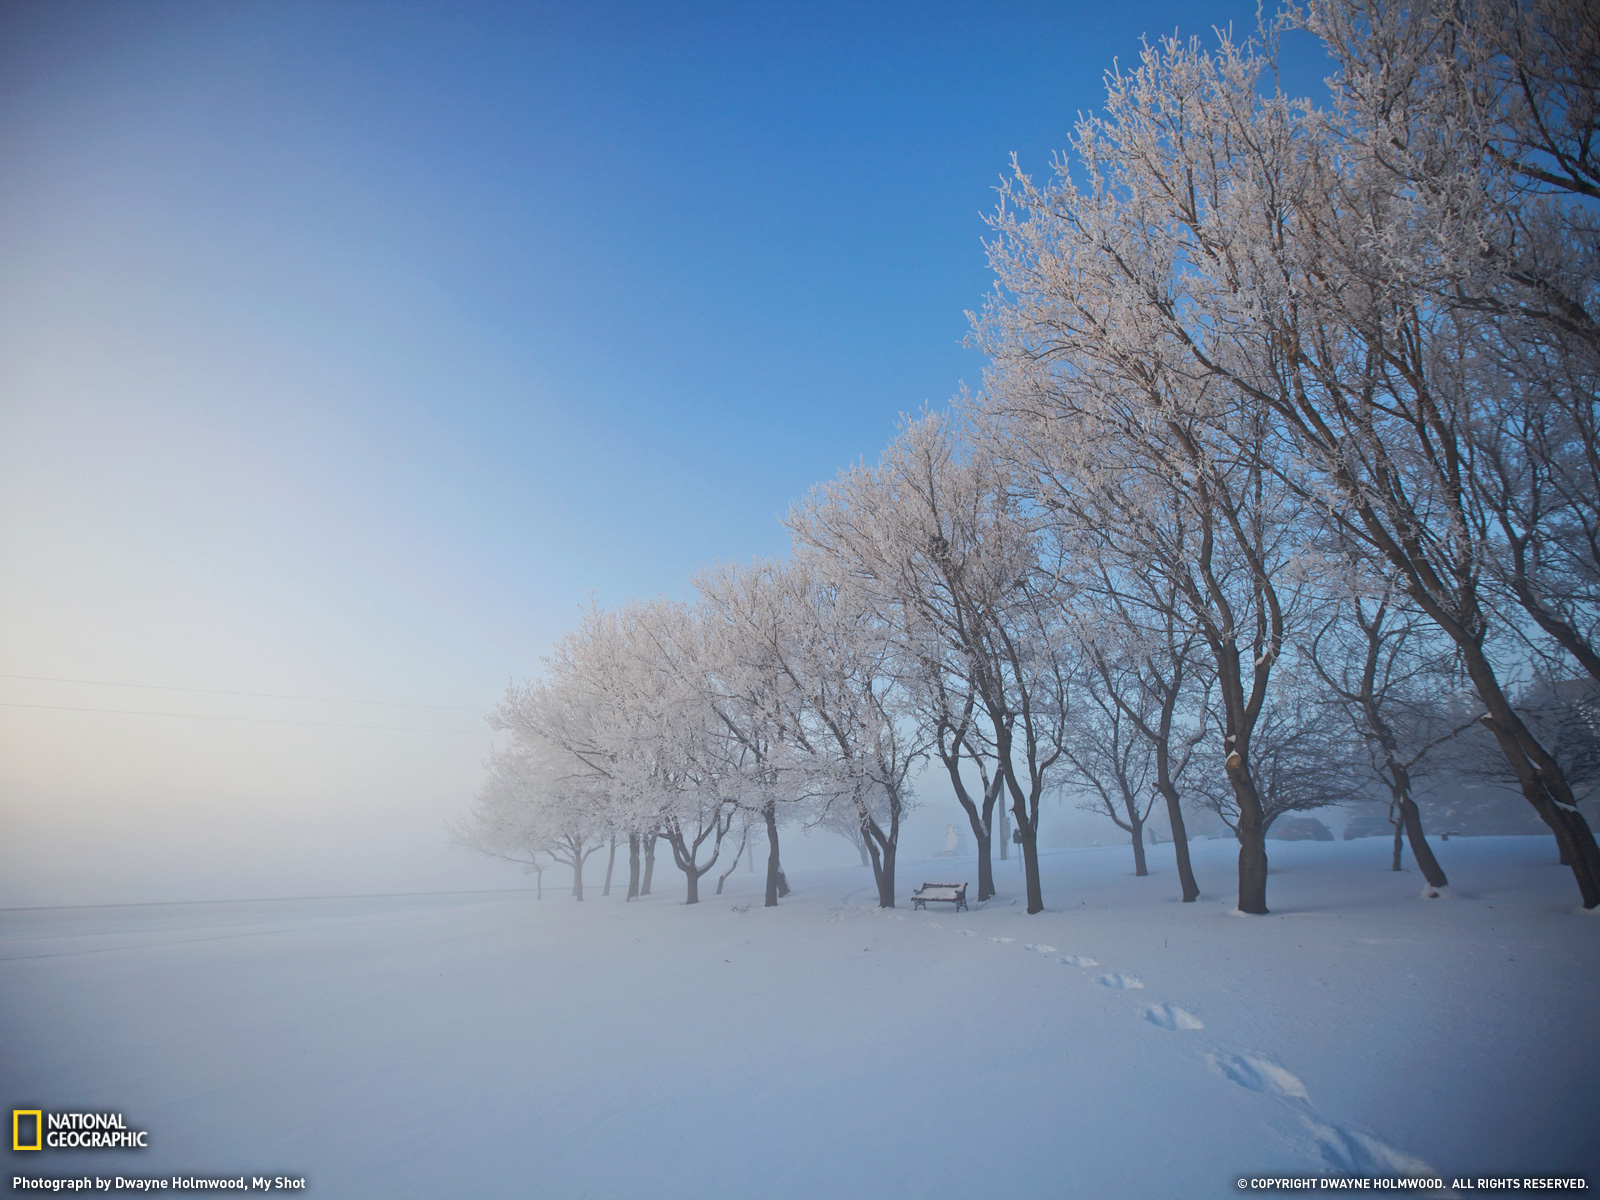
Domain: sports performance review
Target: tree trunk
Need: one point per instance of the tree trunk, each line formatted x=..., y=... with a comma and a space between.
x=649, y=864
x=1252, y=834
x=774, y=867
x=1538, y=775
x=885, y=877
x=744, y=840
x=633, y=866
x=1030, y=861
x=694, y=887
x=577, y=875
x=611, y=863
x=1005, y=834
x=1411, y=821
x=1180, y=845
x=985, y=866
x=1137, y=831
x=1399, y=841
x=882, y=850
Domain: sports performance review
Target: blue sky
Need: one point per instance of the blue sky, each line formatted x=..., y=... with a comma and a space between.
x=345, y=349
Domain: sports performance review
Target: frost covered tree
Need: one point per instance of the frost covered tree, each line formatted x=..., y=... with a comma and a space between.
x=536, y=802
x=931, y=538
x=751, y=695
x=1243, y=251
x=1140, y=658
x=1467, y=134
x=1383, y=664
x=936, y=542
x=857, y=743
x=1129, y=742
x=1151, y=472
x=679, y=749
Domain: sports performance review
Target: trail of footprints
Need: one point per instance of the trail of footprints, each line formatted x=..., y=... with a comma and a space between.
x=1345, y=1149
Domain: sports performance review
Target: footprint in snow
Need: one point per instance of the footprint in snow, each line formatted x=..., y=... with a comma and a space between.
x=1040, y=949
x=1121, y=982
x=1000, y=939
x=1260, y=1075
x=966, y=933
x=1356, y=1153
x=1170, y=1016
x=1078, y=960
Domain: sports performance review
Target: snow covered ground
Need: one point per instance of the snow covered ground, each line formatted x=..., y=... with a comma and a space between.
x=1120, y=1044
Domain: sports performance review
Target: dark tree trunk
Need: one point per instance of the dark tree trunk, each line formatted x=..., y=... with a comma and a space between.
x=611, y=862
x=1137, y=831
x=882, y=849
x=1408, y=819
x=1538, y=775
x=649, y=864
x=577, y=876
x=1180, y=844
x=1005, y=833
x=1030, y=861
x=633, y=866
x=694, y=887
x=1411, y=822
x=1399, y=841
x=883, y=873
x=774, y=867
x=1252, y=834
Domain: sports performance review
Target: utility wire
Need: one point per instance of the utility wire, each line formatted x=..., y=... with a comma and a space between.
x=158, y=687
x=135, y=712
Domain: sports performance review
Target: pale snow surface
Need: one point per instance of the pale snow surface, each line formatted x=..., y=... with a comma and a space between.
x=493, y=1046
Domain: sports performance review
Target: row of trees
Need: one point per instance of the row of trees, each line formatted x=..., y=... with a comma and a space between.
x=1285, y=468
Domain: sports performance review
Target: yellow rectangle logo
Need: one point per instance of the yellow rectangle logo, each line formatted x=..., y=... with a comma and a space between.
x=16, y=1128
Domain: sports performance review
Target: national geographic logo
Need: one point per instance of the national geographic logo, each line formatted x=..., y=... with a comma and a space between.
x=35, y=1129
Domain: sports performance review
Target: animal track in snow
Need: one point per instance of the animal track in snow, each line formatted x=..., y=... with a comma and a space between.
x=1358, y=1153
x=1121, y=982
x=1078, y=960
x=1170, y=1016
x=1260, y=1075
x=1037, y=949
x=966, y=933
x=1001, y=939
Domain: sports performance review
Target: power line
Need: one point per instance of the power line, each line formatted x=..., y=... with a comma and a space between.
x=135, y=712
x=158, y=687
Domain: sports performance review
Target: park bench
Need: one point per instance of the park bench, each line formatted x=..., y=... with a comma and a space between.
x=950, y=893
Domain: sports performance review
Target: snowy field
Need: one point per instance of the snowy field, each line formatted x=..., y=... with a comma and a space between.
x=1120, y=1044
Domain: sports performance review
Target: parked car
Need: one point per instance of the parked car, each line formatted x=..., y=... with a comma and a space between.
x=1300, y=829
